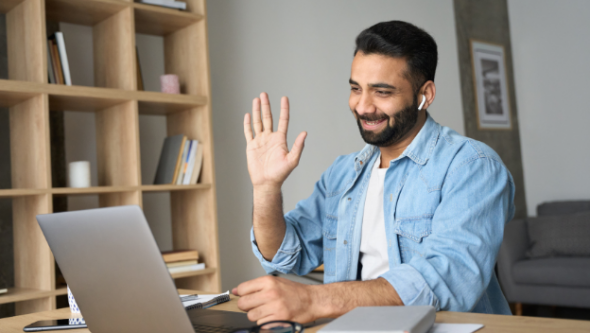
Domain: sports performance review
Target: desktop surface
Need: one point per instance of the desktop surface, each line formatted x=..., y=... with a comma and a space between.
x=493, y=323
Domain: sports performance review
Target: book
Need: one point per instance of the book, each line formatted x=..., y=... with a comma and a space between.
x=165, y=3
x=59, y=77
x=188, y=268
x=169, y=158
x=197, y=165
x=185, y=151
x=191, y=302
x=61, y=46
x=180, y=255
x=138, y=70
x=50, y=72
x=182, y=263
x=191, y=163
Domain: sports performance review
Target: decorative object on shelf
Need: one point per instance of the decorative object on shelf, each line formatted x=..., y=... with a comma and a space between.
x=169, y=84
x=79, y=174
x=166, y=3
x=180, y=162
x=3, y=291
x=72, y=302
x=491, y=85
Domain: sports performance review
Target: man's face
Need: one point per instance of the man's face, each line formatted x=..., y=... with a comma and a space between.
x=382, y=98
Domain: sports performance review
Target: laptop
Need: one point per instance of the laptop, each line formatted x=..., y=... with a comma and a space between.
x=116, y=272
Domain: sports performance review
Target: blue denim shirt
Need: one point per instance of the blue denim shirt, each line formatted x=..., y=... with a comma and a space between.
x=446, y=200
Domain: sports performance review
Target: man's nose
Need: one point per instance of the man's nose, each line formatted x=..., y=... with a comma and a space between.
x=365, y=105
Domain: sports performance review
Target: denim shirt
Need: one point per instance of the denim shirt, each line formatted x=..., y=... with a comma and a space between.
x=446, y=201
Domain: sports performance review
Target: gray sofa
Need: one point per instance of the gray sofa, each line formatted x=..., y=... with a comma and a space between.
x=560, y=281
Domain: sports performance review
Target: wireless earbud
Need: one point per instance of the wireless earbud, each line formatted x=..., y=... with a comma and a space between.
x=423, y=101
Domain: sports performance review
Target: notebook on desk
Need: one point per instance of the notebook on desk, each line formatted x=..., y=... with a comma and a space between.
x=116, y=272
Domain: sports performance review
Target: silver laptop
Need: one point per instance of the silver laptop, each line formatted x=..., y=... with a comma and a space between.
x=115, y=270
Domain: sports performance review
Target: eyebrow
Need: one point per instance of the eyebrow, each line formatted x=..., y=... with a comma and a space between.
x=374, y=85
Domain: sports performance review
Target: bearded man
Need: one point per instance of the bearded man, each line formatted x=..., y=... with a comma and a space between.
x=415, y=218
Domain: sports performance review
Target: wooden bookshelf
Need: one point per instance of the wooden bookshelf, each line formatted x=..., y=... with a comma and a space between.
x=116, y=103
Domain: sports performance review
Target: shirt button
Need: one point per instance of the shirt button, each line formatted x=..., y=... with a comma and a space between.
x=345, y=242
x=349, y=199
x=361, y=162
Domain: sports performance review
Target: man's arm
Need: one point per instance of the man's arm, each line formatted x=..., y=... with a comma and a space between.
x=269, y=298
x=269, y=163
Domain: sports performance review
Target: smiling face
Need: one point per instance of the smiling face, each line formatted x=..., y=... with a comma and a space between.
x=382, y=98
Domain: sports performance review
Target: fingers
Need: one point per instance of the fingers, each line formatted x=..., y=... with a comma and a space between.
x=247, y=128
x=295, y=153
x=284, y=117
x=256, y=116
x=253, y=286
x=266, y=114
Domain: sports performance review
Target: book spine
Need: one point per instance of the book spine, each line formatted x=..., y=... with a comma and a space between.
x=165, y=3
x=184, y=154
x=59, y=77
x=50, y=73
x=188, y=156
x=178, y=161
x=191, y=164
x=61, y=45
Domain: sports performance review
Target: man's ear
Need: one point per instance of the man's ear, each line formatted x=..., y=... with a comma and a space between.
x=428, y=91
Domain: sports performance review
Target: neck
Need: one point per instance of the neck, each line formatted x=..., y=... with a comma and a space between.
x=394, y=151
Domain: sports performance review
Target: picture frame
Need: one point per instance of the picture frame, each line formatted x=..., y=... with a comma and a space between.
x=491, y=86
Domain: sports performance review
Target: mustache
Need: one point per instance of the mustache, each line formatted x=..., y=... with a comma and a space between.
x=371, y=117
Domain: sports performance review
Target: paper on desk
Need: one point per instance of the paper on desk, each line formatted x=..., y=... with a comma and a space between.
x=454, y=328
x=202, y=299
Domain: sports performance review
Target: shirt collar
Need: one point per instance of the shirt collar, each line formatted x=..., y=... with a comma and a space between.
x=418, y=151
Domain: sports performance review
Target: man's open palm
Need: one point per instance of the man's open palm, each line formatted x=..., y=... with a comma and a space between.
x=269, y=160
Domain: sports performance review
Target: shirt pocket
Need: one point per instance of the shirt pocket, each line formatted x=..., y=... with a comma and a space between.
x=414, y=227
x=330, y=232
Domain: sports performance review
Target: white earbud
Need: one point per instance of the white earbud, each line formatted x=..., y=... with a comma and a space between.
x=423, y=101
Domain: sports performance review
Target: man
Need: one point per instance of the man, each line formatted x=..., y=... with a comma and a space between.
x=415, y=218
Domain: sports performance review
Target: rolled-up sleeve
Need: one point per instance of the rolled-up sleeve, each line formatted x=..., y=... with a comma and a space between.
x=457, y=263
x=302, y=248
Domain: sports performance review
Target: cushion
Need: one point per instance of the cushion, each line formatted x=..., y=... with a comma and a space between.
x=563, y=207
x=562, y=272
x=554, y=236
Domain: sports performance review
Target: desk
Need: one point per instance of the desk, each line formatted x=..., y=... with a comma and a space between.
x=493, y=323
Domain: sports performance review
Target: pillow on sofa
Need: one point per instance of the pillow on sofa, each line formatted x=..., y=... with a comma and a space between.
x=559, y=236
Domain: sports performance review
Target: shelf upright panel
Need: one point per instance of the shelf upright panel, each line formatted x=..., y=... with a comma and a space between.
x=25, y=38
x=30, y=154
x=117, y=127
x=194, y=213
x=31, y=169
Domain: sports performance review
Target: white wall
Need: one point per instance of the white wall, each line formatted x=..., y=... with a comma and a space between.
x=551, y=70
x=301, y=49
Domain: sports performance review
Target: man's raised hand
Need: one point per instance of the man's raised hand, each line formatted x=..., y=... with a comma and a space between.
x=269, y=160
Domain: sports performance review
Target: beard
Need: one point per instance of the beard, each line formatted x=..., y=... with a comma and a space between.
x=403, y=122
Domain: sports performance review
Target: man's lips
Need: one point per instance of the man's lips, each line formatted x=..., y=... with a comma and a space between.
x=371, y=125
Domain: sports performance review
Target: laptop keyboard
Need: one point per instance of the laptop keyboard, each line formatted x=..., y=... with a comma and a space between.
x=212, y=329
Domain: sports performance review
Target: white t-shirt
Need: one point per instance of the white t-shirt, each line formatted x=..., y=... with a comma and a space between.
x=373, y=254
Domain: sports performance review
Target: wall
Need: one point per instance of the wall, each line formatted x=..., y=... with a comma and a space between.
x=551, y=69
x=487, y=20
x=304, y=50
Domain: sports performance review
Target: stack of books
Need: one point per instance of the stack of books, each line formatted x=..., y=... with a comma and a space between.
x=182, y=261
x=166, y=3
x=58, y=68
x=180, y=161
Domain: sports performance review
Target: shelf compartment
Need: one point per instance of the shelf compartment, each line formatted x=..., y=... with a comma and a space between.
x=154, y=20
x=167, y=188
x=86, y=12
x=25, y=294
x=21, y=192
x=205, y=271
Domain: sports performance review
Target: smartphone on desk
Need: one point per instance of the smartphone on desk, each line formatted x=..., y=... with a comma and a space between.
x=54, y=325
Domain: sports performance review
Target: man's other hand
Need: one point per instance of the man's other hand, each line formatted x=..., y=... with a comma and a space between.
x=271, y=298
x=269, y=160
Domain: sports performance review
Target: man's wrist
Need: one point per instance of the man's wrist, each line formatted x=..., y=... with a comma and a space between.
x=321, y=306
x=266, y=189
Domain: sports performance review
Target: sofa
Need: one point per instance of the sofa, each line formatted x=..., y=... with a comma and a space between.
x=552, y=268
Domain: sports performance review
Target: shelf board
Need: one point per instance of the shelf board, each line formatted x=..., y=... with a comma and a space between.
x=21, y=192
x=24, y=294
x=92, y=190
x=205, y=271
x=164, y=188
x=86, y=12
x=80, y=98
x=155, y=20
x=8, y=5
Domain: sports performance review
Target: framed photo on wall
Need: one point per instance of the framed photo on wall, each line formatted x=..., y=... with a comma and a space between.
x=491, y=86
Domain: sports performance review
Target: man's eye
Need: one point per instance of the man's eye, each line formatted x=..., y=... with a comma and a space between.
x=354, y=89
x=383, y=93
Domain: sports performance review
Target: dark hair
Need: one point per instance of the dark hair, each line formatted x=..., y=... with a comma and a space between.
x=400, y=39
